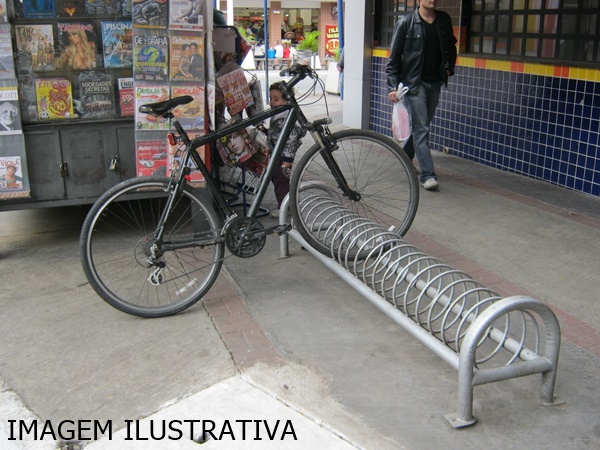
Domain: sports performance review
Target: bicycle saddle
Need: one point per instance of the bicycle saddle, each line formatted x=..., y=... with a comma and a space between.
x=160, y=108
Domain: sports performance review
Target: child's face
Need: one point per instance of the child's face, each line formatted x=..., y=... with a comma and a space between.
x=276, y=98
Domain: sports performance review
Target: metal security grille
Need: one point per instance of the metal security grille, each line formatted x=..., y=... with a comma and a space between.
x=565, y=30
x=387, y=13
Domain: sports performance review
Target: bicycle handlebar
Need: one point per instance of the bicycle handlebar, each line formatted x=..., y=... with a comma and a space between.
x=299, y=72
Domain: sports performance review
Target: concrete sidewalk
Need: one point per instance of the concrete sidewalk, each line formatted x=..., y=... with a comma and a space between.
x=285, y=339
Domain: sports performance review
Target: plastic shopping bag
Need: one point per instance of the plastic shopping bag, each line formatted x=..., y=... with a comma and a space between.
x=401, y=127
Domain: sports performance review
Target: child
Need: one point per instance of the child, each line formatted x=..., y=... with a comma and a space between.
x=281, y=177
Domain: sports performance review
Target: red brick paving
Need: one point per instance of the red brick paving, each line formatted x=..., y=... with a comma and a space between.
x=242, y=335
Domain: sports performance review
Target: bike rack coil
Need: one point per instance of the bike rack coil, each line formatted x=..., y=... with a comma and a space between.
x=484, y=336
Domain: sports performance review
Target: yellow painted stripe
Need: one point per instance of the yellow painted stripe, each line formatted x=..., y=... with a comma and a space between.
x=575, y=73
x=381, y=52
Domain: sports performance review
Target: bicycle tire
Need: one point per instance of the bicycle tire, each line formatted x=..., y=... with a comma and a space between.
x=376, y=167
x=115, y=244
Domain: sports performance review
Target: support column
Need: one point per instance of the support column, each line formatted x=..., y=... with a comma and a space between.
x=275, y=23
x=357, y=62
x=230, y=12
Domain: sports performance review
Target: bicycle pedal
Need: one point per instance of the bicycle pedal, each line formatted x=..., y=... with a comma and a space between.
x=280, y=230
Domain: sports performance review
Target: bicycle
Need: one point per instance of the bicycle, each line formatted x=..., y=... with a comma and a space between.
x=154, y=246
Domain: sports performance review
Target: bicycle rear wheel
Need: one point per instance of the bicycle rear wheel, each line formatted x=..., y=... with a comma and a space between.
x=116, y=247
x=375, y=167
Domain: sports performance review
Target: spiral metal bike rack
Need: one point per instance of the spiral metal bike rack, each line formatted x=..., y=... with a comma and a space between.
x=485, y=337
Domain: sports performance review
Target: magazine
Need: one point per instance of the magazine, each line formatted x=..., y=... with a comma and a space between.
x=237, y=147
x=126, y=97
x=150, y=94
x=150, y=57
x=117, y=43
x=175, y=159
x=234, y=87
x=152, y=158
x=7, y=66
x=3, y=11
x=54, y=97
x=69, y=8
x=186, y=14
x=102, y=7
x=96, y=96
x=38, y=9
x=191, y=115
x=10, y=118
x=126, y=7
x=150, y=13
x=77, y=44
x=260, y=159
x=35, y=47
x=11, y=173
x=186, y=57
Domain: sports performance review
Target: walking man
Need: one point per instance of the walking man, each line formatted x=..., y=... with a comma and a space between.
x=422, y=57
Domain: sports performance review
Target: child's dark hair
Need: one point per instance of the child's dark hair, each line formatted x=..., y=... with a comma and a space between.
x=279, y=86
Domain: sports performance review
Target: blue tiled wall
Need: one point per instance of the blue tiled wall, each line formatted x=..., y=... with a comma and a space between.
x=538, y=126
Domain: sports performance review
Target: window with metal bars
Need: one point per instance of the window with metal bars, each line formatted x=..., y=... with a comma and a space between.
x=563, y=30
x=387, y=13
x=557, y=30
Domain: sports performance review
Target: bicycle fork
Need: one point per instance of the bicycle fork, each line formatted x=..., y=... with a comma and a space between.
x=323, y=138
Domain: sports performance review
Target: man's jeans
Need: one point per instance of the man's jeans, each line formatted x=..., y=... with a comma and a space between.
x=422, y=108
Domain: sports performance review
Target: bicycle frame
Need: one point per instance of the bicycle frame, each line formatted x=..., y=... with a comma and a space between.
x=295, y=114
x=237, y=126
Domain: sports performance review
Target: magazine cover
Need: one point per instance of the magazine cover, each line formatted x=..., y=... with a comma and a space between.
x=11, y=174
x=260, y=159
x=152, y=158
x=186, y=57
x=38, y=9
x=117, y=43
x=3, y=12
x=236, y=92
x=190, y=116
x=126, y=97
x=150, y=13
x=7, y=66
x=35, y=47
x=150, y=94
x=10, y=118
x=77, y=44
x=69, y=8
x=237, y=147
x=175, y=159
x=102, y=7
x=150, y=57
x=96, y=96
x=126, y=7
x=54, y=98
x=186, y=14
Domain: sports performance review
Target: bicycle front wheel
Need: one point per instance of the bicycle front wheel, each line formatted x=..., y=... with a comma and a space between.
x=132, y=270
x=376, y=168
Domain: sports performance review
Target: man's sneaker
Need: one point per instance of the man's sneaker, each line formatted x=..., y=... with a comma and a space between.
x=430, y=184
x=274, y=214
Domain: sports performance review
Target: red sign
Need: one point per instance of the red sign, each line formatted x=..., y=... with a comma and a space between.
x=332, y=38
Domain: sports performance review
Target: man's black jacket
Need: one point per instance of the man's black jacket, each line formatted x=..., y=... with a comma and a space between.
x=406, y=54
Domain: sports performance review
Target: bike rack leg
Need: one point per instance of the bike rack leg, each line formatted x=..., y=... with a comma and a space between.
x=284, y=244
